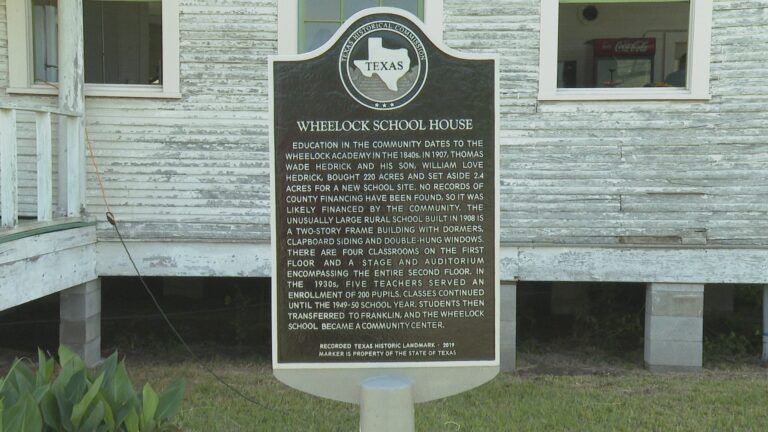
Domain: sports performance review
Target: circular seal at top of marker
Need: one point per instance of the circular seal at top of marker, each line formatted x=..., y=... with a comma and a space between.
x=383, y=65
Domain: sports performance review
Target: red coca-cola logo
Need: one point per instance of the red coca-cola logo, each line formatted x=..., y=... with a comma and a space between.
x=625, y=47
x=632, y=46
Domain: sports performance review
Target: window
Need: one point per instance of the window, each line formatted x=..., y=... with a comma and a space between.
x=307, y=24
x=319, y=19
x=631, y=49
x=44, y=33
x=123, y=42
x=130, y=47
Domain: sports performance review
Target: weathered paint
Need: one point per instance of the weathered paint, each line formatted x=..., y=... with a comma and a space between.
x=185, y=258
x=44, y=166
x=624, y=264
x=36, y=266
x=71, y=72
x=28, y=169
x=688, y=178
x=9, y=177
x=629, y=172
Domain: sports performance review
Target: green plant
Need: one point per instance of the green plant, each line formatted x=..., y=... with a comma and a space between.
x=729, y=347
x=611, y=320
x=75, y=400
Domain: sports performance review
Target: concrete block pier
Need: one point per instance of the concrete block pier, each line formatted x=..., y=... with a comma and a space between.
x=80, y=320
x=508, y=325
x=674, y=327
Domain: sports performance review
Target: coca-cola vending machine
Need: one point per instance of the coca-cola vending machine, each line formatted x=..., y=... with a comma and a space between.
x=625, y=62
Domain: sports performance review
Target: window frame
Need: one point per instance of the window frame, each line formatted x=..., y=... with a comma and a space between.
x=288, y=16
x=698, y=73
x=21, y=68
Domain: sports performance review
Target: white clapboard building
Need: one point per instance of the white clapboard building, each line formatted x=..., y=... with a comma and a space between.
x=633, y=137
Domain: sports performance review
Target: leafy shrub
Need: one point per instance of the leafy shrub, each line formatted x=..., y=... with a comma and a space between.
x=615, y=319
x=75, y=401
x=727, y=347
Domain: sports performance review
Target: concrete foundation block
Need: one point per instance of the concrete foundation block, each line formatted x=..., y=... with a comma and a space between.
x=687, y=287
x=674, y=327
x=80, y=331
x=508, y=326
x=675, y=303
x=80, y=321
x=666, y=328
x=508, y=346
x=508, y=302
x=78, y=304
x=90, y=352
x=673, y=355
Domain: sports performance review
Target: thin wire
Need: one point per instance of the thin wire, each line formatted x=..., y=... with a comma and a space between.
x=113, y=221
x=98, y=173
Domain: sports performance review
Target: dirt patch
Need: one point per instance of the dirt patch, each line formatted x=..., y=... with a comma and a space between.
x=575, y=362
x=592, y=361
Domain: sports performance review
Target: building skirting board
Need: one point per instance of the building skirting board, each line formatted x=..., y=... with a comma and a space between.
x=185, y=259
x=39, y=265
x=535, y=263
x=636, y=264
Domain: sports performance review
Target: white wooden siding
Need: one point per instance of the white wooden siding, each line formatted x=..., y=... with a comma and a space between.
x=39, y=265
x=600, y=173
x=26, y=133
x=194, y=168
x=672, y=173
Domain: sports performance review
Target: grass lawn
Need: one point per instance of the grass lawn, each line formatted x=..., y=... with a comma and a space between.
x=613, y=399
x=588, y=378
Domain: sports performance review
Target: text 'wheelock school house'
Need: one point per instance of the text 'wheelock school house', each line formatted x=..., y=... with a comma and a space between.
x=632, y=144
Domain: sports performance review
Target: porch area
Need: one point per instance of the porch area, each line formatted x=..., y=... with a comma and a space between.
x=47, y=245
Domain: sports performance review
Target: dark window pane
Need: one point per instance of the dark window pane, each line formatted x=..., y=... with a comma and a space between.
x=316, y=34
x=351, y=7
x=123, y=42
x=411, y=6
x=321, y=10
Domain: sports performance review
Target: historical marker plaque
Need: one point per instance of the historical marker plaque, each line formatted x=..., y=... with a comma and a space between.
x=385, y=201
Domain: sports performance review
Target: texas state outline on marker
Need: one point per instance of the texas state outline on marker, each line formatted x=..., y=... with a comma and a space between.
x=389, y=64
